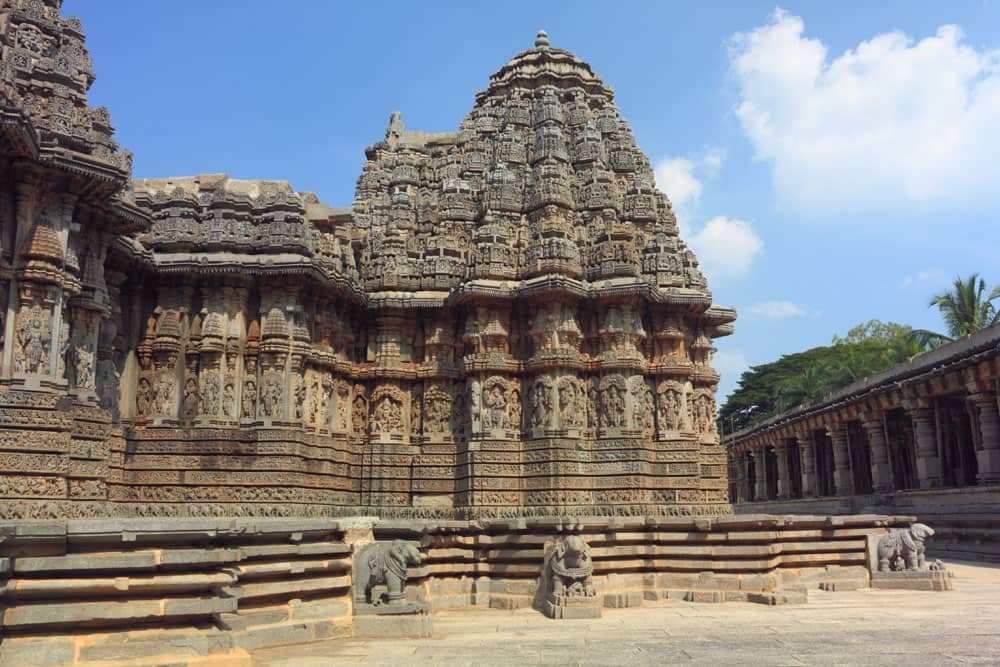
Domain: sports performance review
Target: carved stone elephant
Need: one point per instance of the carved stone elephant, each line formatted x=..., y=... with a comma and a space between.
x=386, y=563
x=903, y=548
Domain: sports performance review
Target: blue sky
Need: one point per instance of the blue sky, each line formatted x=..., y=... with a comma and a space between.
x=830, y=162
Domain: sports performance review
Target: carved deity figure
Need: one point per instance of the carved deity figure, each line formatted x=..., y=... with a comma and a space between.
x=613, y=406
x=144, y=398
x=416, y=413
x=437, y=413
x=515, y=409
x=107, y=386
x=191, y=400
x=270, y=395
x=669, y=409
x=164, y=393
x=495, y=398
x=359, y=415
x=541, y=405
x=300, y=396
x=228, y=400
x=343, y=408
x=569, y=408
x=34, y=337
x=249, y=399
x=642, y=410
x=83, y=367
x=569, y=568
x=903, y=548
x=387, y=416
x=210, y=392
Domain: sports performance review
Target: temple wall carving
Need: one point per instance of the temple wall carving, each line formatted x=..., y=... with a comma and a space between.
x=505, y=321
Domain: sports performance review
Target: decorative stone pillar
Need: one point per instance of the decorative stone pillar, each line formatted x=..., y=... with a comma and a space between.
x=760, y=477
x=808, y=464
x=881, y=470
x=784, y=482
x=988, y=456
x=928, y=461
x=841, y=460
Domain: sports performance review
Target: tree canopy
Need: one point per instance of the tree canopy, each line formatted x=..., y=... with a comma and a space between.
x=868, y=348
x=803, y=377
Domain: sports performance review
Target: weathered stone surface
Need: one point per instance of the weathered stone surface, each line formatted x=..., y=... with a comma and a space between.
x=914, y=580
x=395, y=625
x=505, y=322
x=35, y=652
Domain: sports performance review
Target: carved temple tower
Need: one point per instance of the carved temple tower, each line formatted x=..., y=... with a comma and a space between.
x=505, y=322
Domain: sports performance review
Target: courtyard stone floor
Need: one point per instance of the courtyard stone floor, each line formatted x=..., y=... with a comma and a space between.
x=869, y=627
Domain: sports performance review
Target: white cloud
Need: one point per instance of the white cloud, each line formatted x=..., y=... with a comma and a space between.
x=726, y=247
x=712, y=161
x=923, y=278
x=675, y=176
x=889, y=123
x=777, y=310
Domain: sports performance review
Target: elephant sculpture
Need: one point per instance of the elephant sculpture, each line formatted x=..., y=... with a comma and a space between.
x=569, y=568
x=903, y=548
x=384, y=563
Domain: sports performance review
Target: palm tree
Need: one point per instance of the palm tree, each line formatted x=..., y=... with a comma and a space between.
x=967, y=307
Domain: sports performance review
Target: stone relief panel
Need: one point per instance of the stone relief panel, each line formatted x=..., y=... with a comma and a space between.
x=612, y=402
x=702, y=408
x=388, y=418
x=437, y=409
x=671, y=411
x=541, y=401
x=495, y=402
x=272, y=392
x=643, y=409
x=501, y=286
x=359, y=412
x=33, y=331
x=572, y=403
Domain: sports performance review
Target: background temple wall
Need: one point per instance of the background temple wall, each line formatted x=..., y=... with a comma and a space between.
x=922, y=438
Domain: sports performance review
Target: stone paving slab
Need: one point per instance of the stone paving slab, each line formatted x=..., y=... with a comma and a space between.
x=864, y=627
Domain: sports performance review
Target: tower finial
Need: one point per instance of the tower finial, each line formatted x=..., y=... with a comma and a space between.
x=541, y=39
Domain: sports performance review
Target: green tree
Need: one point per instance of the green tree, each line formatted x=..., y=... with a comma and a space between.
x=966, y=308
x=803, y=377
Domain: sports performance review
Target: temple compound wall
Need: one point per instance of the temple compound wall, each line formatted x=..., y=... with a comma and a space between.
x=922, y=438
x=504, y=323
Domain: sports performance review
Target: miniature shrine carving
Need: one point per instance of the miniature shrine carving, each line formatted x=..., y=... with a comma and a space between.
x=493, y=299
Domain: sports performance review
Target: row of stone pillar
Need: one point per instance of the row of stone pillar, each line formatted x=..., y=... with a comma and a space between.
x=927, y=455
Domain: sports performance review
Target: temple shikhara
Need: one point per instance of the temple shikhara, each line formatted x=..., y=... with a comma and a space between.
x=505, y=322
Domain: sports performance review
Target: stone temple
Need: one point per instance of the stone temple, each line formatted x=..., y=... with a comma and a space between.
x=505, y=322
x=232, y=416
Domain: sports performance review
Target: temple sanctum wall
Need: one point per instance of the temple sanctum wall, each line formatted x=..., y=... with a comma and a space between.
x=504, y=323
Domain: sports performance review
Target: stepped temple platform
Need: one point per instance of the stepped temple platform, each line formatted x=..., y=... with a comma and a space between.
x=863, y=627
x=212, y=591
